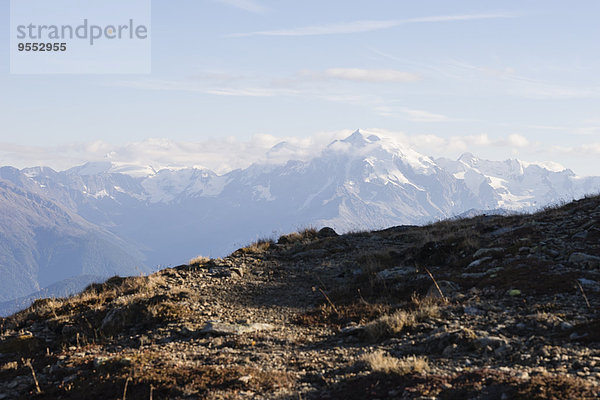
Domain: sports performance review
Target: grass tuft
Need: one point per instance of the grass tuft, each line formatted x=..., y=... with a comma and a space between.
x=200, y=260
x=378, y=361
x=393, y=324
x=301, y=237
x=258, y=247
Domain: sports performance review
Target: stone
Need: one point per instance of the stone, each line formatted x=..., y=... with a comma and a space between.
x=237, y=271
x=222, y=328
x=585, y=259
x=449, y=350
x=113, y=320
x=473, y=275
x=493, y=342
x=486, y=252
x=502, y=351
x=326, y=232
x=447, y=288
x=576, y=336
x=352, y=329
x=478, y=262
x=502, y=231
x=99, y=361
x=493, y=271
x=469, y=310
x=589, y=284
x=19, y=344
x=315, y=253
x=552, y=253
x=565, y=326
x=524, y=375
x=394, y=273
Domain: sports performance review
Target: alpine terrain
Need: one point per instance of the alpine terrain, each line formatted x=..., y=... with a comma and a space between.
x=100, y=218
x=488, y=307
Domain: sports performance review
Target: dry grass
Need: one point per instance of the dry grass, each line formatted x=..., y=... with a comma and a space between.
x=200, y=260
x=376, y=261
x=378, y=361
x=468, y=384
x=170, y=377
x=426, y=307
x=304, y=236
x=101, y=311
x=389, y=325
x=258, y=247
x=10, y=366
x=344, y=314
x=393, y=324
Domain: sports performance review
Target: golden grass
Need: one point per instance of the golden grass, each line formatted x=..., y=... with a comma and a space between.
x=303, y=236
x=199, y=260
x=258, y=247
x=393, y=324
x=378, y=361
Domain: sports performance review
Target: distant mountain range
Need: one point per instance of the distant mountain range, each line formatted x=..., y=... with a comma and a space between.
x=43, y=242
x=101, y=219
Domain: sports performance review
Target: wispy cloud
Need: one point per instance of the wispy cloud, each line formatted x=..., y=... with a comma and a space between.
x=246, y=5
x=390, y=109
x=199, y=87
x=251, y=92
x=592, y=149
x=516, y=140
x=449, y=145
x=423, y=116
x=367, y=25
x=590, y=127
x=314, y=85
x=371, y=75
x=218, y=154
x=351, y=74
x=509, y=81
x=307, y=83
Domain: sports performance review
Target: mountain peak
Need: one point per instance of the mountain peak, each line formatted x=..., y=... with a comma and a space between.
x=359, y=139
x=468, y=159
x=356, y=138
x=91, y=168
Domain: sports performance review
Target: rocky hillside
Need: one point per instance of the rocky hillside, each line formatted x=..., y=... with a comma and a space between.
x=489, y=307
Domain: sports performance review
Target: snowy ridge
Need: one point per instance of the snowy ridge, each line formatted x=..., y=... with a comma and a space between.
x=360, y=182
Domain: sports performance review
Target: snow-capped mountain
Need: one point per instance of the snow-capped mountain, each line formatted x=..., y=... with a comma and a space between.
x=361, y=182
x=518, y=185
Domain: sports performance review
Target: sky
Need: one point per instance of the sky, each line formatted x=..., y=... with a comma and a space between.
x=230, y=78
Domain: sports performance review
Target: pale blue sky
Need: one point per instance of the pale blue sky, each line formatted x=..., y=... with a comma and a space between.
x=498, y=78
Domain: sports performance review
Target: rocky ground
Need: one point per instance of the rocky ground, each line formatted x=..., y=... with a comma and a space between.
x=483, y=308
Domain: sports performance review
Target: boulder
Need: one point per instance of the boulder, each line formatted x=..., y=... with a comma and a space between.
x=326, y=232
